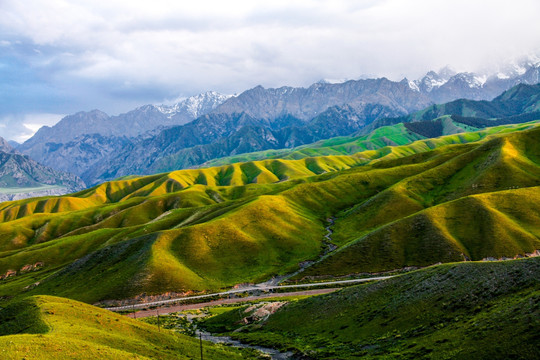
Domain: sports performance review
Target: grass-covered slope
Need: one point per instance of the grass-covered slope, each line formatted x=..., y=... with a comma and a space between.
x=204, y=229
x=480, y=201
x=45, y=327
x=469, y=310
x=187, y=230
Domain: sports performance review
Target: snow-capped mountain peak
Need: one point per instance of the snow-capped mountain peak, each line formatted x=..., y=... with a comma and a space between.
x=194, y=106
x=479, y=81
x=413, y=85
x=430, y=81
x=518, y=67
x=471, y=80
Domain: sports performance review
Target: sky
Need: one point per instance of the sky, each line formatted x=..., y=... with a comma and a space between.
x=58, y=57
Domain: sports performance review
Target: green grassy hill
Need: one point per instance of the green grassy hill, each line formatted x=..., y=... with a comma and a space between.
x=205, y=229
x=458, y=311
x=45, y=327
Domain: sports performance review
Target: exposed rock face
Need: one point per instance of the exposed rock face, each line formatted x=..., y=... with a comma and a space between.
x=5, y=146
x=81, y=153
x=22, y=177
x=305, y=104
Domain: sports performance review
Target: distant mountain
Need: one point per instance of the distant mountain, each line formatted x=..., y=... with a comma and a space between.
x=22, y=177
x=191, y=108
x=517, y=101
x=77, y=155
x=392, y=135
x=218, y=135
x=260, y=119
x=171, y=150
x=307, y=103
x=5, y=146
x=157, y=138
x=130, y=124
x=13, y=143
x=447, y=85
x=77, y=141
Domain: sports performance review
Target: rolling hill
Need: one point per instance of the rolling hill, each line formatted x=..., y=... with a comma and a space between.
x=45, y=327
x=434, y=200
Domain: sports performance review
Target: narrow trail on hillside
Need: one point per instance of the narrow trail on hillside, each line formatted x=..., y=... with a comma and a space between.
x=329, y=247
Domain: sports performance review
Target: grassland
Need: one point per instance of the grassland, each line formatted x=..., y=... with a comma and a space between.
x=468, y=195
x=45, y=327
x=452, y=311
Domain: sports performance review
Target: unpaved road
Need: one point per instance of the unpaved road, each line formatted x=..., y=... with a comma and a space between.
x=176, y=308
x=260, y=287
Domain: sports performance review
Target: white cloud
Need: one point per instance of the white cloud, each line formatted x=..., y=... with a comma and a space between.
x=22, y=127
x=218, y=42
x=33, y=127
x=104, y=51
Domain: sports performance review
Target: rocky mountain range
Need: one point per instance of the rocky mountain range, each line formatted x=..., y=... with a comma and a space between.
x=520, y=103
x=447, y=85
x=153, y=138
x=191, y=108
x=77, y=141
x=5, y=146
x=22, y=177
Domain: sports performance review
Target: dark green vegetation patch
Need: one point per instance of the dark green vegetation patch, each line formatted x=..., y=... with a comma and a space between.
x=22, y=317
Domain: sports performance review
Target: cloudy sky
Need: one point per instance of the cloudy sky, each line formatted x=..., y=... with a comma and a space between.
x=62, y=56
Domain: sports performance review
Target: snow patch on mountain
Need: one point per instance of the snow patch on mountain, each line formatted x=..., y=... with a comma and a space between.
x=413, y=85
x=478, y=81
x=196, y=105
x=518, y=67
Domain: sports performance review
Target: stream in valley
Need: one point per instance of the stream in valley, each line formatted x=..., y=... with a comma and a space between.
x=273, y=353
